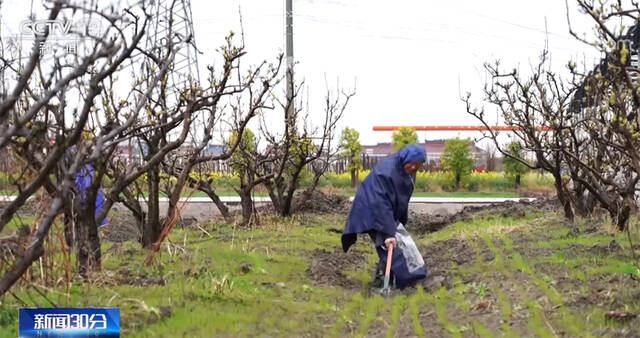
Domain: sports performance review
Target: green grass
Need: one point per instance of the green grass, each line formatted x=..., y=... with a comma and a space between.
x=206, y=290
x=209, y=295
x=346, y=314
x=396, y=311
x=538, y=323
x=589, y=264
x=15, y=223
x=441, y=299
x=582, y=240
x=373, y=306
x=545, y=283
x=480, y=330
x=414, y=312
x=478, y=225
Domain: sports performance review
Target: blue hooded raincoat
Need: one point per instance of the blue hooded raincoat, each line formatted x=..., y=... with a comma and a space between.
x=380, y=204
x=83, y=181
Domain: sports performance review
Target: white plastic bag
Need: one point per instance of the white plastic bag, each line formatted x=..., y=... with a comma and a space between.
x=409, y=249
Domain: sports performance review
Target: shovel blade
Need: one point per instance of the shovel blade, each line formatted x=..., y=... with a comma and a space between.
x=385, y=285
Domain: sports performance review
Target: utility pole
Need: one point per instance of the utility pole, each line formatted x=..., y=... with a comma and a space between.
x=289, y=51
x=2, y=84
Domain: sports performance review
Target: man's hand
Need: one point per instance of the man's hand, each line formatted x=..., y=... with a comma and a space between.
x=390, y=240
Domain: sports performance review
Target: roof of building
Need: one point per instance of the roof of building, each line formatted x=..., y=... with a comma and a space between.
x=430, y=146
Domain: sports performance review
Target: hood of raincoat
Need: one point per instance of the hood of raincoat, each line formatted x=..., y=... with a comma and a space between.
x=382, y=200
x=411, y=153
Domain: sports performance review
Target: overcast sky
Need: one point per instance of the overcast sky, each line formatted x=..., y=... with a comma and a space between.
x=408, y=59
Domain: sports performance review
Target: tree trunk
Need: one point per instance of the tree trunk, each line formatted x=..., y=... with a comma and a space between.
x=247, y=206
x=224, y=211
x=286, y=205
x=82, y=245
x=291, y=189
x=563, y=198
x=206, y=188
x=584, y=202
x=518, y=181
x=88, y=252
x=151, y=230
x=354, y=178
x=95, y=254
x=68, y=218
x=275, y=199
x=457, y=182
x=621, y=215
x=315, y=182
x=131, y=202
x=589, y=204
x=87, y=243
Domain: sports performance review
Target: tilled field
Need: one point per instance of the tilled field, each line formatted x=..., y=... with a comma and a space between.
x=530, y=279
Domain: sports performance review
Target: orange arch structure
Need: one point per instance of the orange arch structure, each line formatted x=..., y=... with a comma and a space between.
x=455, y=128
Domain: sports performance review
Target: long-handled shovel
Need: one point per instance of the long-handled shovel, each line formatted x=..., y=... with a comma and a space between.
x=387, y=272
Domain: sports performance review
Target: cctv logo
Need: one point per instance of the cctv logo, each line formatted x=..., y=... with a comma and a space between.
x=59, y=28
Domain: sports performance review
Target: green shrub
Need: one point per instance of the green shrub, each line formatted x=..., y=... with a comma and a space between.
x=224, y=180
x=472, y=185
x=537, y=179
x=336, y=180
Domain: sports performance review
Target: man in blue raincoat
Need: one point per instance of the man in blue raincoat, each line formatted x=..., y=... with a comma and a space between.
x=83, y=181
x=380, y=209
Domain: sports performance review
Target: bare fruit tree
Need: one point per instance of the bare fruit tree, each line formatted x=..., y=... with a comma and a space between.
x=66, y=118
x=299, y=145
x=582, y=129
x=537, y=107
x=49, y=118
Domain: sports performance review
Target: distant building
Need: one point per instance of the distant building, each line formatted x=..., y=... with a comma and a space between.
x=128, y=152
x=372, y=154
x=214, y=150
x=216, y=165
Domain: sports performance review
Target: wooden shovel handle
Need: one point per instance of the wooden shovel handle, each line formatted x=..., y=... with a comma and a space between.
x=387, y=271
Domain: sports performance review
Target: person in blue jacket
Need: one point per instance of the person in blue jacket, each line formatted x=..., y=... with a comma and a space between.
x=380, y=209
x=83, y=181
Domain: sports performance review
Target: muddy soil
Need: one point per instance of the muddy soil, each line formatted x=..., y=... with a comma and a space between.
x=421, y=223
x=330, y=267
x=305, y=202
x=439, y=257
x=121, y=228
x=318, y=202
